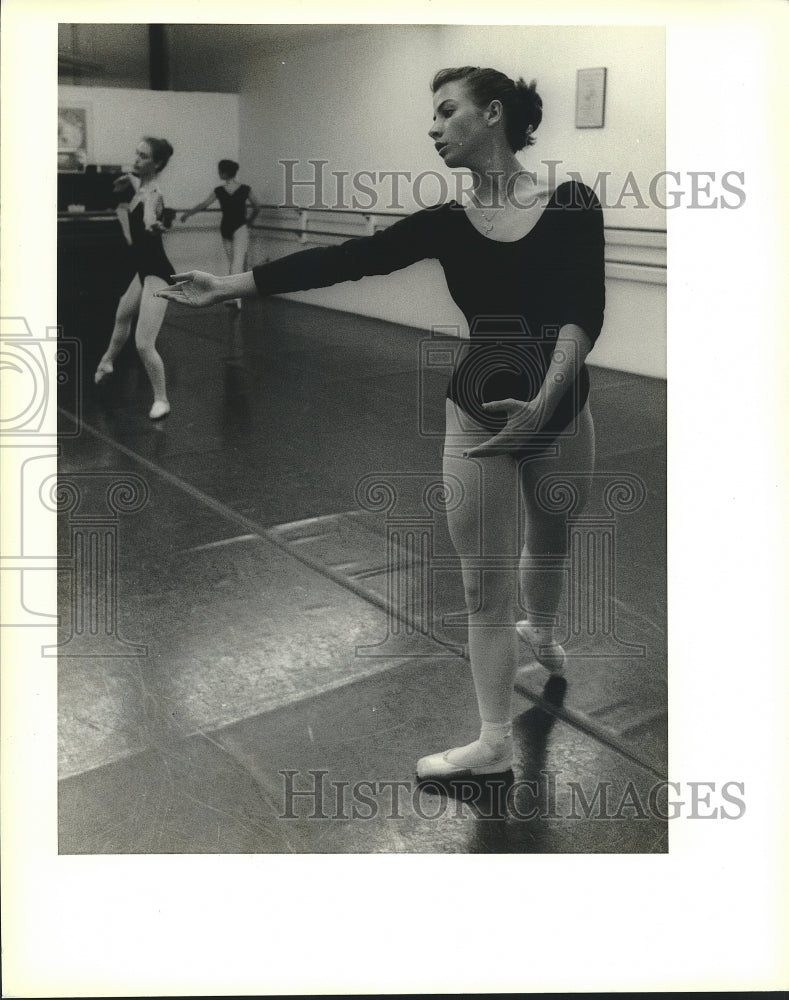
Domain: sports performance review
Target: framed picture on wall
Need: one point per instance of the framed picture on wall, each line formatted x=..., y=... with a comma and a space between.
x=74, y=137
x=590, y=98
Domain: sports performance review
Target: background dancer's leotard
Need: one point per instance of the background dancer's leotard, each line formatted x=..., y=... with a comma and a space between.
x=515, y=296
x=234, y=208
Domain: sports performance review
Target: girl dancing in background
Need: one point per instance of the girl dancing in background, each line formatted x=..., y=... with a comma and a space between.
x=143, y=220
x=526, y=268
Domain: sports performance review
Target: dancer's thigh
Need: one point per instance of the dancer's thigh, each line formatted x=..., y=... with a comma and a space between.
x=575, y=458
x=129, y=304
x=483, y=507
x=152, y=310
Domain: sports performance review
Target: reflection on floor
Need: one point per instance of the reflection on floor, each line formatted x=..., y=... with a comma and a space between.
x=255, y=691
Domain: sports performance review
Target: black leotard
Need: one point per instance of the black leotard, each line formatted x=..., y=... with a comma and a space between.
x=515, y=296
x=234, y=208
x=147, y=250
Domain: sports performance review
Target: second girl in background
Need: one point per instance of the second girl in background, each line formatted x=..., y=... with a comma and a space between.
x=233, y=198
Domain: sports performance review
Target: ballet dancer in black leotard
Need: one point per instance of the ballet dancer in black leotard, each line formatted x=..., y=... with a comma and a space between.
x=526, y=267
x=234, y=227
x=142, y=221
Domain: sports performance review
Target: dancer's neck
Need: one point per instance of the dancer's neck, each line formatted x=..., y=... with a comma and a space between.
x=493, y=184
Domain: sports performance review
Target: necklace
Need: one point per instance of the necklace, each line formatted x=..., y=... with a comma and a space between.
x=489, y=221
x=488, y=218
x=497, y=212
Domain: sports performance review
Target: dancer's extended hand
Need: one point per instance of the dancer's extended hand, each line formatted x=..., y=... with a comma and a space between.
x=193, y=288
x=524, y=420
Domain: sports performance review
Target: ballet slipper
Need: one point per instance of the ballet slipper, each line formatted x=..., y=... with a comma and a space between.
x=437, y=765
x=159, y=409
x=550, y=654
x=104, y=369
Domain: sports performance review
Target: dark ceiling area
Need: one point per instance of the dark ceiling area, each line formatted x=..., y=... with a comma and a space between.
x=200, y=57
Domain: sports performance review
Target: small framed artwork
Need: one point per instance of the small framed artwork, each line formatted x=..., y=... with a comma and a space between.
x=74, y=137
x=590, y=98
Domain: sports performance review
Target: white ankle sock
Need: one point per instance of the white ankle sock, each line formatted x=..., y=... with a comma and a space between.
x=494, y=743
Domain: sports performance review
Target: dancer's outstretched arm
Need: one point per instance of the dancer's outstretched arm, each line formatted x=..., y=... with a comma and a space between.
x=413, y=238
x=198, y=288
x=198, y=208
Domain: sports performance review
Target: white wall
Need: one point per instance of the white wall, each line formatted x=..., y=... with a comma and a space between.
x=202, y=128
x=363, y=103
x=634, y=332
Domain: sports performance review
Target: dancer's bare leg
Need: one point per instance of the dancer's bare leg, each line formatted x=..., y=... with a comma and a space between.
x=484, y=531
x=546, y=536
x=227, y=246
x=240, y=246
x=149, y=322
x=236, y=251
x=125, y=314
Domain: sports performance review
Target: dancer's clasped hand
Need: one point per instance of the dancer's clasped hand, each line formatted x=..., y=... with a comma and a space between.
x=524, y=420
